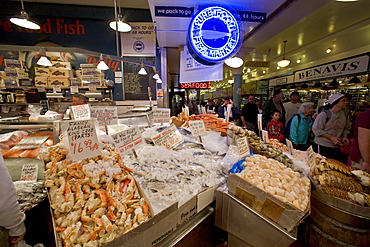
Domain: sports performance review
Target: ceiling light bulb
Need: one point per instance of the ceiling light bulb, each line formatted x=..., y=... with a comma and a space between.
x=23, y=21
x=298, y=60
x=234, y=62
x=102, y=65
x=283, y=63
x=328, y=50
x=122, y=26
x=156, y=76
x=142, y=71
x=159, y=81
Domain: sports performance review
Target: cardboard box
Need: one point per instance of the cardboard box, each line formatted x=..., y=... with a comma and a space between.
x=58, y=72
x=41, y=81
x=86, y=80
x=61, y=65
x=76, y=82
x=93, y=72
x=41, y=71
x=284, y=214
x=12, y=63
x=57, y=81
x=11, y=82
x=14, y=72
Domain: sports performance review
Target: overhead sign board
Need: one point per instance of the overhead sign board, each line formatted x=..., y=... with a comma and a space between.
x=281, y=80
x=202, y=85
x=340, y=68
x=140, y=41
x=173, y=11
x=214, y=34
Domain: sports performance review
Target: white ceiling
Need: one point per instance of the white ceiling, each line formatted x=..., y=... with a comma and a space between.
x=309, y=26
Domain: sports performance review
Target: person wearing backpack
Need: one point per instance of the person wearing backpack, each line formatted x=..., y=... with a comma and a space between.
x=331, y=128
x=300, y=127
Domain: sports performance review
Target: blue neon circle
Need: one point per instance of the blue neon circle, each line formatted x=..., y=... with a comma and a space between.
x=214, y=34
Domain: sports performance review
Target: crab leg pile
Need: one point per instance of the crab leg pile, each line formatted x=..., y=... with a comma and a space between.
x=94, y=200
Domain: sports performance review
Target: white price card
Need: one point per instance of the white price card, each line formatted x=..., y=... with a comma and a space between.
x=57, y=89
x=161, y=115
x=228, y=111
x=243, y=146
x=168, y=138
x=74, y=89
x=265, y=136
x=259, y=121
x=197, y=127
x=82, y=139
x=310, y=156
x=92, y=87
x=5, y=137
x=29, y=172
x=126, y=140
x=81, y=112
x=105, y=115
x=40, y=89
x=290, y=146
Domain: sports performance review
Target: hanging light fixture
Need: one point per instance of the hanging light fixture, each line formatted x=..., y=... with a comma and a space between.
x=304, y=85
x=43, y=60
x=119, y=24
x=234, y=62
x=142, y=70
x=318, y=84
x=284, y=62
x=334, y=83
x=23, y=21
x=354, y=80
x=102, y=65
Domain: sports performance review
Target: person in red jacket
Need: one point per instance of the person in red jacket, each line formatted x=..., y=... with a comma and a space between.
x=275, y=128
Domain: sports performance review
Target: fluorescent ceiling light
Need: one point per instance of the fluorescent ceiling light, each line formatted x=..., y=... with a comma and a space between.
x=234, y=62
x=23, y=21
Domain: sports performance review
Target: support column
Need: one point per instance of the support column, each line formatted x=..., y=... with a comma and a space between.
x=237, y=90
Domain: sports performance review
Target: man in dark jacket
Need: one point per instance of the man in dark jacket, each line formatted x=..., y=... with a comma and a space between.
x=273, y=104
x=234, y=113
x=249, y=114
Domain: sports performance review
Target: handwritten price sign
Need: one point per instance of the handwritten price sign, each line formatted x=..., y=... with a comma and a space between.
x=161, y=115
x=81, y=112
x=106, y=115
x=126, y=140
x=197, y=127
x=82, y=138
x=243, y=146
x=29, y=172
x=168, y=138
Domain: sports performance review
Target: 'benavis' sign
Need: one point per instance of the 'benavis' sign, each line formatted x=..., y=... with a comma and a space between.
x=340, y=68
x=214, y=34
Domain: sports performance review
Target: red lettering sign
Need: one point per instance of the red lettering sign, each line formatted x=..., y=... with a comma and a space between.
x=200, y=85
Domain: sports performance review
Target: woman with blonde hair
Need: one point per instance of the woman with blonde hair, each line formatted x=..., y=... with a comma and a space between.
x=301, y=127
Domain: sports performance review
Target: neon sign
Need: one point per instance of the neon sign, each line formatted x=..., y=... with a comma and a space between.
x=214, y=34
x=201, y=85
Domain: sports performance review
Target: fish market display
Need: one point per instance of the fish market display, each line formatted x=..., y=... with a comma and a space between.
x=29, y=194
x=171, y=176
x=260, y=147
x=94, y=200
x=278, y=180
x=211, y=122
x=279, y=145
x=336, y=179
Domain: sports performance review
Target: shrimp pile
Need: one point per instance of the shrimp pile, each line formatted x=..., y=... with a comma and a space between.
x=94, y=200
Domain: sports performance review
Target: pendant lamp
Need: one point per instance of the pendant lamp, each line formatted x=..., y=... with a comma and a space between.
x=142, y=70
x=119, y=24
x=284, y=62
x=43, y=60
x=354, y=80
x=102, y=65
x=234, y=62
x=23, y=21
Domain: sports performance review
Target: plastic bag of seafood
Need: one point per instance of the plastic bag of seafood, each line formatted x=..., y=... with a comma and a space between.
x=273, y=189
x=94, y=200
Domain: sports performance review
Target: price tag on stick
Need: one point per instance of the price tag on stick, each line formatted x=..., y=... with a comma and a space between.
x=82, y=139
x=106, y=115
x=127, y=140
x=81, y=112
x=161, y=115
x=265, y=136
x=197, y=127
x=29, y=172
x=168, y=138
x=290, y=146
x=243, y=146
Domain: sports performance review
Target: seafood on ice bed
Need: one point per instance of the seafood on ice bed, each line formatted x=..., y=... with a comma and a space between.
x=94, y=200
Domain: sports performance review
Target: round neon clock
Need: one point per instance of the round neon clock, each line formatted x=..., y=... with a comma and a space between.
x=214, y=34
